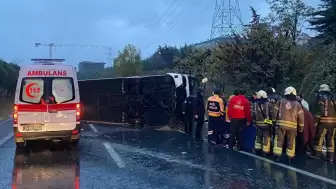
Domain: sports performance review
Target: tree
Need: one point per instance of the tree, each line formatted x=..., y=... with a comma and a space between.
x=196, y=61
x=324, y=21
x=128, y=62
x=8, y=77
x=163, y=58
x=290, y=16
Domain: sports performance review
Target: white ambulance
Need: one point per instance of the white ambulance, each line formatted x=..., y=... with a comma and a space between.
x=47, y=103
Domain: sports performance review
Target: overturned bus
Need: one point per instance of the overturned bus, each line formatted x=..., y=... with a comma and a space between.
x=139, y=100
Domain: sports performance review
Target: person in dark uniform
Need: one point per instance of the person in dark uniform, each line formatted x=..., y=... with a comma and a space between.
x=188, y=114
x=199, y=112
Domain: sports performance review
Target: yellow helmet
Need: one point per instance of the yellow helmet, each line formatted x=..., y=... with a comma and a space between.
x=290, y=90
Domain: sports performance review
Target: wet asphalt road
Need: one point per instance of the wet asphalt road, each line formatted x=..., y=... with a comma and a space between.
x=120, y=158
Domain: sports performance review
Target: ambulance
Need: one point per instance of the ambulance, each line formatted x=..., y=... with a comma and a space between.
x=47, y=104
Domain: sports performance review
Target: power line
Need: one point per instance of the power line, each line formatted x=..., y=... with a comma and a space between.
x=169, y=26
x=172, y=25
x=188, y=23
x=157, y=24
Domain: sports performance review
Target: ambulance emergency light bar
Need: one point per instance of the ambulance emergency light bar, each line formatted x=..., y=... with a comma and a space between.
x=46, y=60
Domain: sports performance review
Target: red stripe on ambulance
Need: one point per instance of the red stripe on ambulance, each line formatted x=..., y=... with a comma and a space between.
x=46, y=107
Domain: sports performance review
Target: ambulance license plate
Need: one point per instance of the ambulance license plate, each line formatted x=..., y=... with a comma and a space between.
x=32, y=128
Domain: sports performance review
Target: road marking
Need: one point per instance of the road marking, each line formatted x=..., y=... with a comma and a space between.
x=114, y=154
x=162, y=156
x=3, y=140
x=306, y=173
x=180, y=131
x=5, y=121
x=94, y=129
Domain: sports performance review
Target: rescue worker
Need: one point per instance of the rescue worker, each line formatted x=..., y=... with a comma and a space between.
x=272, y=96
x=303, y=102
x=288, y=119
x=215, y=107
x=188, y=114
x=199, y=113
x=261, y=115
x=239, y=112
x=223, y=129
x=326, y=122
x=227, y=122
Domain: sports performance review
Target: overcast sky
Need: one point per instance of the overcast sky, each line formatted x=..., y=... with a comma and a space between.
x=115, y=23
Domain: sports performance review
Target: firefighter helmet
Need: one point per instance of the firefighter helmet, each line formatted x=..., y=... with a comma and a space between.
x=290, y=90
x=261, y=94
x=324, y=87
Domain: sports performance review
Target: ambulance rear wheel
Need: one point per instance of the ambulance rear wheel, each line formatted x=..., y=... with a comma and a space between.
x=20, y=145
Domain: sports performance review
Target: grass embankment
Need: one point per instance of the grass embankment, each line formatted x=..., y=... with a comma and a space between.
x=6, y=108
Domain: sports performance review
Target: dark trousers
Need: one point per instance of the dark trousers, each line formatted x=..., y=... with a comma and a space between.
x=236, y=132
x=199, y=127
x=188, y=122
x=213, y=125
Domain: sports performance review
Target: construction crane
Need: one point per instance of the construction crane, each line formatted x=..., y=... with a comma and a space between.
x=51, y=45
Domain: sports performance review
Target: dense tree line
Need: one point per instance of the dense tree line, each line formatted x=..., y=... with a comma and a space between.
x=8, y=77
x=269, y=53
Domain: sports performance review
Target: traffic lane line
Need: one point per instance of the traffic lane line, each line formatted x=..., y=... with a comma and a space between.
x=5, y=121
x=162, y=156
x=6, y=138
x=303, y=172
x=94, y=129
x=115, y=156
x=6, y=128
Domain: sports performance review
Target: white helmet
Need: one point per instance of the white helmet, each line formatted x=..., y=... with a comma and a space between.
x=290, y=90
x=261, y=94
x=324, y=87
x=273, y=90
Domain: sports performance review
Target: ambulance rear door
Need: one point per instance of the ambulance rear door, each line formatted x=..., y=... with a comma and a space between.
x=31, y=112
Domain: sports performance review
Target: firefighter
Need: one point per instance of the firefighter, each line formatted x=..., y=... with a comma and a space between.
x=215, y=107
x=239, y=112
x=288, y=117
x=199, y=113
x=273, y=98
x=326, y=122
x=261, y=115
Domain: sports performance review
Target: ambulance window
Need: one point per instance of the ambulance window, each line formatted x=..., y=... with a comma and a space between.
x=32, y=90
x=63, y=89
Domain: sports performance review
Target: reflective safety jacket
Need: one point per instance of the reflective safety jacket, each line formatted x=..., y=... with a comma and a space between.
x=215, y=106
x=326, y=109
x=262, y=113
x=288, y=115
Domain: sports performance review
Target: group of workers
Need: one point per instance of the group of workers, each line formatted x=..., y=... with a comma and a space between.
x=278, y=120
